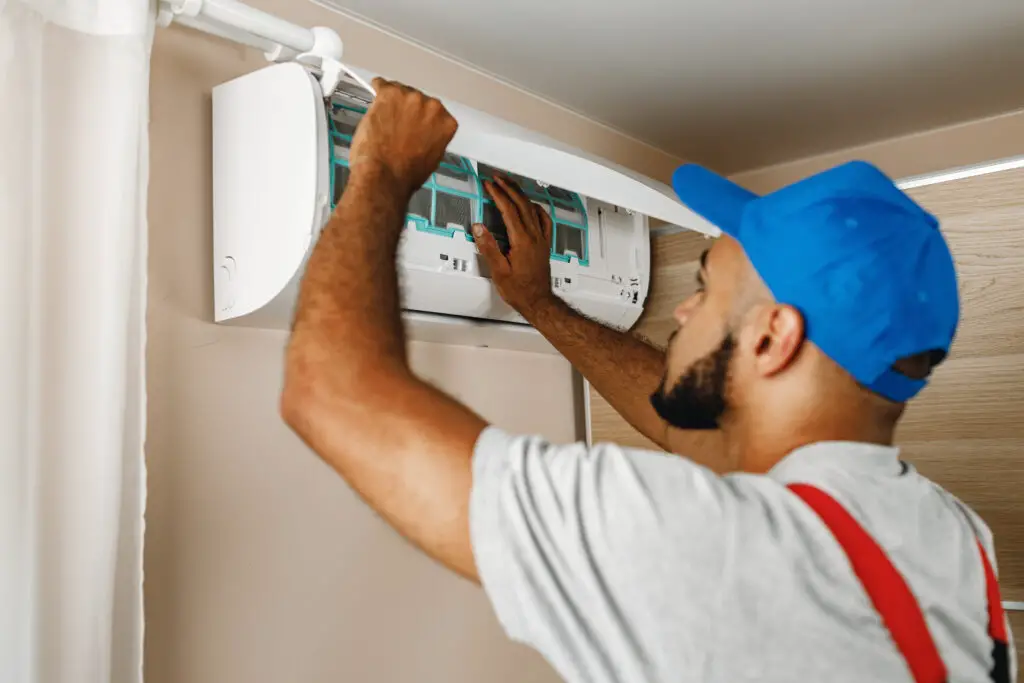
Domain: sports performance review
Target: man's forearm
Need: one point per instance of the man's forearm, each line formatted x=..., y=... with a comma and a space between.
x=621, y=367
x=349, y=298
x=625, y=370
x=349, y=393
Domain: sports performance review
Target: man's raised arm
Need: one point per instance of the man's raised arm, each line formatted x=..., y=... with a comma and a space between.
x=404, y=446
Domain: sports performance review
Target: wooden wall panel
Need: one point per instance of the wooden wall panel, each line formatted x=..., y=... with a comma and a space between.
x=1017, y=628
x=606, y=426
x=969, y=398
x=674, y=264
x=966, y=430
x=983, y=220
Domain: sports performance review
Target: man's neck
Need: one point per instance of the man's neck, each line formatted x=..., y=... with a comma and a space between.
x=758, y=445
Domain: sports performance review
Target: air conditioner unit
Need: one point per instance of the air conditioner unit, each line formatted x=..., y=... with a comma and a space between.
x=280, y=164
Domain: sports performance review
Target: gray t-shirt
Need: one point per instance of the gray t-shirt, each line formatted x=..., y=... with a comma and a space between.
x=620, y=564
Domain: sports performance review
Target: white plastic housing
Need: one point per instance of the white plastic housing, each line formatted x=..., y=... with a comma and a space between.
x=272, y=186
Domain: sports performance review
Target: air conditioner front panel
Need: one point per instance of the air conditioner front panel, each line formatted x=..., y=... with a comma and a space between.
x=453, y=294
x=490, y=140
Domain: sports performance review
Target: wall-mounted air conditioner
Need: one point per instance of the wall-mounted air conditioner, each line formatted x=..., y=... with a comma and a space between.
x=280, y=161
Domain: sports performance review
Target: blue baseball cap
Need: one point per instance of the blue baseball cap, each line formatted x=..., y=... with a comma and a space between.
x=864, y=264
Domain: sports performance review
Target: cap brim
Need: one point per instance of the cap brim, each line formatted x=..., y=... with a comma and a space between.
x=714, y=197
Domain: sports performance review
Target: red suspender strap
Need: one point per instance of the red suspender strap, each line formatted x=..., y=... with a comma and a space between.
x=885, y=587
x=892, y=598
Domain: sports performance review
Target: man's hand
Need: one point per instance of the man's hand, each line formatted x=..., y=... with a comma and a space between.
x=404, y=133
x=523, y=278
x=622, y=368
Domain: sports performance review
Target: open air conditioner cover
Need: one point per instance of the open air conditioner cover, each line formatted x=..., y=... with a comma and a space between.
x=280, y=162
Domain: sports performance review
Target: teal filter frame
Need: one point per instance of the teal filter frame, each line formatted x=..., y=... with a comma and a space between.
x=453, y=198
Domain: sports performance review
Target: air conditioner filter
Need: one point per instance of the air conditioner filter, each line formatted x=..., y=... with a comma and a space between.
x=453, y=199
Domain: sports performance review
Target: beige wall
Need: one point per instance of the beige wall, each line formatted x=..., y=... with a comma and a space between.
x=261, y=565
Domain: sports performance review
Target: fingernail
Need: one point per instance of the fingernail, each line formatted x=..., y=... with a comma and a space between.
x=478, y=230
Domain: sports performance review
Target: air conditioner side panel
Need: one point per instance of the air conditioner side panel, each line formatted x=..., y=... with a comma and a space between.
x=270, y=187
x=613, y=288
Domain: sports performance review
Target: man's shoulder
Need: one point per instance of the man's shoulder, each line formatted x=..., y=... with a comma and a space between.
x=637, y=484
x=962, y=509
x=496, y=445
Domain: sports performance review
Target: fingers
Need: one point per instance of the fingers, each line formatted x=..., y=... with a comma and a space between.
x=490, y=251
x=545, y=223
x=384, y=86
x=405, y=130
x=433, y=108
x=437, y=110
x=536, y=220
x=509, y=213
x=524, y=205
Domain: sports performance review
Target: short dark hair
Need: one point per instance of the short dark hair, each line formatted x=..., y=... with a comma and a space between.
x=920, y=365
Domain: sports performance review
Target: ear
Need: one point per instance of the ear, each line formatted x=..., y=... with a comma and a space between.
x=780, y=337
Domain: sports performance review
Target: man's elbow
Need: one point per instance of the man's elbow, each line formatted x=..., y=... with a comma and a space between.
x=297, y=404
x=304, y=389
x=328, y=394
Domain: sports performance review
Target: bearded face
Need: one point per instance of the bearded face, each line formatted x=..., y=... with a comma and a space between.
x=698, y=398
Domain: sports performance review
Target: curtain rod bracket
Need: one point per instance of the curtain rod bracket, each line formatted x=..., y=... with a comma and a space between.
x=326, y=53
x=279, y=40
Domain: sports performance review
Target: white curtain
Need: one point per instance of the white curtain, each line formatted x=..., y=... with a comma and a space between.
x=74, y=79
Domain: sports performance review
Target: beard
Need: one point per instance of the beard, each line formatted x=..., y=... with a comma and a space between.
x=698, y=399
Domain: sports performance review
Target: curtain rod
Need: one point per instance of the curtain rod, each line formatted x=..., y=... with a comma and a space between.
x=279, y=40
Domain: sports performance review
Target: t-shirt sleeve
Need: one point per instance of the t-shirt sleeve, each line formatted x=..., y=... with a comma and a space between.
x=575, y=544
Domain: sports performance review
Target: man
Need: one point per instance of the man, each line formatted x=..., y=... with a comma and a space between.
x=821, y=312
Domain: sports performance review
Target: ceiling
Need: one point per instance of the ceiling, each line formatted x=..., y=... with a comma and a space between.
x=737, y=85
